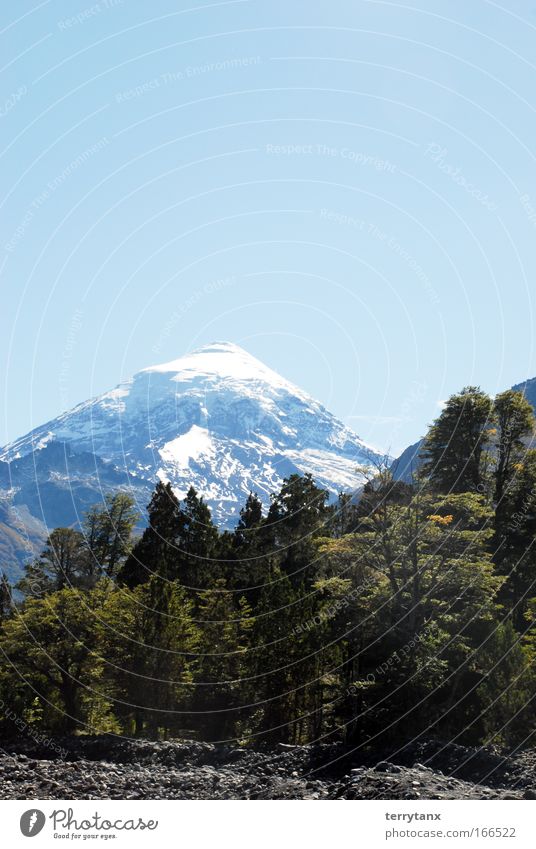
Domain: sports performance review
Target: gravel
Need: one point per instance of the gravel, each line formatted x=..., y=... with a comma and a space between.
x=107, y=767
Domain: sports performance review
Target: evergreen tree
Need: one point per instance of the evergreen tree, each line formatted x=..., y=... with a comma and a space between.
x=108, y=533
x=62, y=563
x=248, y=570
x=297, y=514
x=150, y=641
x=515, y=550
x=249, y=523
x=6, y=600
x=158, y=551
x=220, y=693
x=434, y=607
x=407, y=614
x=345, y=517
x=273, y=650
x=506, y=693
x=453, y=449
x=378, y=494
x=197, y=542
x=515, y=424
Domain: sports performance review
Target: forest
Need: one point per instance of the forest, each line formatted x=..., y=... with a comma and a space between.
x=406, y=611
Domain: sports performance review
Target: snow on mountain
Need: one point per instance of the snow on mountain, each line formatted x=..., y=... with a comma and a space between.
x=217, y=419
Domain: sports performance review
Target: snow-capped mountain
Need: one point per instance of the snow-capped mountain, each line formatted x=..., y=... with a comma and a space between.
x=217, y=419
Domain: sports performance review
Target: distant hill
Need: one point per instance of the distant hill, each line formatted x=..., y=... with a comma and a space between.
x=528, y=387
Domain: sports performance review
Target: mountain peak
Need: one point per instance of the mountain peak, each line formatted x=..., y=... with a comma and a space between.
x=213, y=349
x=221, y=361
x=221, y=347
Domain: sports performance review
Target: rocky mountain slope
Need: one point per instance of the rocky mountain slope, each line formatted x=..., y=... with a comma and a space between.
x=217, y=419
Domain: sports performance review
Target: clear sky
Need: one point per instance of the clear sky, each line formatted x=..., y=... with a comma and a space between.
x=344, y=188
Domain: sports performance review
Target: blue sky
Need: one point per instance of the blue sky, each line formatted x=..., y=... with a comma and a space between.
x=345, y=189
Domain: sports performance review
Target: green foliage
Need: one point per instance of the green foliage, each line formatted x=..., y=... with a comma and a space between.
x=156, y=553
x=50, y=647
x=515, y=550
x=405, y=613
x=63, y=563
x=515, y=423
x=6, y=598
x=298, y=514
x=456, y=441
x=78, y=559
x=197, y=541
x=149, y=640
x=426, y=612
x=225, y=624
x=108, y=533
x=506, y=689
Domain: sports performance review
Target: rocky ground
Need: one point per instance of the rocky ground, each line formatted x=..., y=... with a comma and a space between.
x=114, y=768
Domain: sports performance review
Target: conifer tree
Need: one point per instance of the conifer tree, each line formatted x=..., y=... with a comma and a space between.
x=158, y=551
x=274, y=645
x=169, y=637
x=248, y=570
x=197, y=541
x=250, y=520
x=297, y=514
